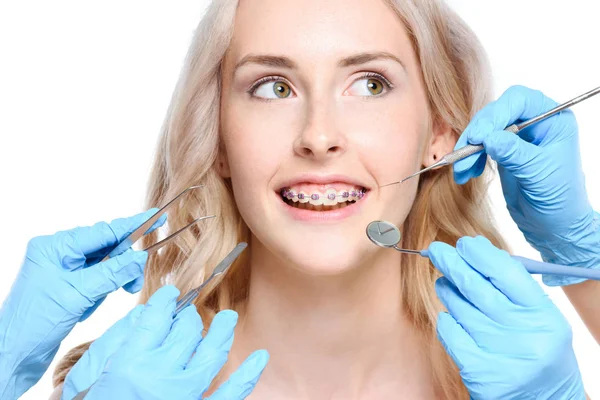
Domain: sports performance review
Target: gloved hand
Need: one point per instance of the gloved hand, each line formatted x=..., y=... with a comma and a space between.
x=542, y=180
x=89, y=367
x=506, y=336
x=161, y=357
x=60, y=283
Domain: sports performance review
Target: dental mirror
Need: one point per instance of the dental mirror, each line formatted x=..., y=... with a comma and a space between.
x=385, y=234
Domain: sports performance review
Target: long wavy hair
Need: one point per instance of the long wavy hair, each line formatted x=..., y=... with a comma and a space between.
x=456, y=74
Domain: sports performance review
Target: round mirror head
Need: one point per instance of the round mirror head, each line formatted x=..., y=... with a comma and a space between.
x=384, y=234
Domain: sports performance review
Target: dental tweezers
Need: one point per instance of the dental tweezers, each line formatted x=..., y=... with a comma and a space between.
x=134, y=236
x=220, y=269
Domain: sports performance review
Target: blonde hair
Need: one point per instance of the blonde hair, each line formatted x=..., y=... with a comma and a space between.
x=456, y=77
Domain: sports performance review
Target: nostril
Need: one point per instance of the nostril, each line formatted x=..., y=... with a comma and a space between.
x=306, y=152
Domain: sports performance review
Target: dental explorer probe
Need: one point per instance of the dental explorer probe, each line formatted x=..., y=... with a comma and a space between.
x=470, y=149
x=386, y=234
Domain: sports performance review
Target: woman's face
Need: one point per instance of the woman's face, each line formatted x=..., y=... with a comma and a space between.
x=321, y=99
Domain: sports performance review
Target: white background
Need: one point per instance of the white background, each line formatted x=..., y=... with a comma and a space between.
x=84, y=87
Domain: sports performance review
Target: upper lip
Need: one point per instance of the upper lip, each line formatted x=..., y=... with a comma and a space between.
x=321, y=180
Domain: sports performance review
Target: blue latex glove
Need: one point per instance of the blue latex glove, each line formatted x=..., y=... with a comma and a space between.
x=542, y=180
x=60, y=283
x=506, y=336
x=89, y=367
x=158, y=357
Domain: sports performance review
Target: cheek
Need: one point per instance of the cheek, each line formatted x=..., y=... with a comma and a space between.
x=257, y=143
x=258, y=135
x=391, y=138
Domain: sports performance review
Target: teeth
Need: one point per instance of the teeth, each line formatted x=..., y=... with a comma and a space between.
x=308, y=206
x=302, y=197
x=316, y=199
x=330, y=198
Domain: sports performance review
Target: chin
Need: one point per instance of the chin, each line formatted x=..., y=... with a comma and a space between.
x=326, y=256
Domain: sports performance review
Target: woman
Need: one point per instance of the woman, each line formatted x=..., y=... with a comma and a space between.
x=348, y=96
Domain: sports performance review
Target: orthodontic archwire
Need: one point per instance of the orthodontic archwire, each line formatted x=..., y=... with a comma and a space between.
x=290, y=195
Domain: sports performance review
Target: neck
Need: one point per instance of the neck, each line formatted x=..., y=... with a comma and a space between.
x=343, y=336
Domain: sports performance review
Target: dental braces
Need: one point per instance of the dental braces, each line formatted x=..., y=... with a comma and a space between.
x=290, y=195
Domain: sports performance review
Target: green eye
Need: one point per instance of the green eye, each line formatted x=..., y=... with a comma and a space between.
x=375, y=86
x=369, y=86
x=281, y=90
x=272, y=89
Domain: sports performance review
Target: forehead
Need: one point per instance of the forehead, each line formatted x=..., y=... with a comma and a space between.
x=316, y=29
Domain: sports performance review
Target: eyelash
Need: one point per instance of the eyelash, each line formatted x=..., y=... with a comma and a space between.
x=274, y=78
x=390, y=85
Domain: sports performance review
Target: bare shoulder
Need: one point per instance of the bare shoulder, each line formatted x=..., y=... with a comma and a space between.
x=56, y=393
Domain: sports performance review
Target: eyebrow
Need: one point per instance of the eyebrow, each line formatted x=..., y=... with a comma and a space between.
x=285, y=62
x=268, y=60
x=363, y=58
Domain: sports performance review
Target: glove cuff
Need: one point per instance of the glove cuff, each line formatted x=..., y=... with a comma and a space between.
x=584, y=252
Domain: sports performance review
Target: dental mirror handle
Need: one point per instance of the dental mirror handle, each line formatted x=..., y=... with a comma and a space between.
x=537, y=267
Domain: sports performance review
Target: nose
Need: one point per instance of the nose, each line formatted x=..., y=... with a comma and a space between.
x=320, y=138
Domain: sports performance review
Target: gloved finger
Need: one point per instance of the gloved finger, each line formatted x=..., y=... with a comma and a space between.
x=213, y=350
x=458, y=344
x=91, y=364
x=511, y=152
x=182, y=341
x=469, y=167
x=463, y=311
x=507, y=274
x=241, y=383
x=135, y=285
x=153, y=326
x=89, y=311
x=517, y=103
x=104, y=278
x=79, y=244
x=476, y=288
x=123, y=228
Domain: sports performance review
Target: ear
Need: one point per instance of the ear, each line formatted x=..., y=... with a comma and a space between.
x=442, y=142
x=223, y=163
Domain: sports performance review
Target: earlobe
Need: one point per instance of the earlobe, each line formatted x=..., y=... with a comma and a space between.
x=222, y=164
x=442, y=142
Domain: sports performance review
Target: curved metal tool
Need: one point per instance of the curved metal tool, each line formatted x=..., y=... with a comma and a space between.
x=220, y=269
x=385, y=234
x=134, y=236
x=470, y=149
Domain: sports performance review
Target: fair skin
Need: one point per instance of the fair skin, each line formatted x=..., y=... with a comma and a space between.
x=583, y=297
x=346, y=335
x=325, y=274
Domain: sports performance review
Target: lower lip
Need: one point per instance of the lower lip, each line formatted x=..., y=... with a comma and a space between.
x=338, y=214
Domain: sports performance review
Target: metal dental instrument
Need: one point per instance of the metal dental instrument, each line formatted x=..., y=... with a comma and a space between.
x=470, y=149
x=386, y=234
x=220, y=269
x=134, y=236
x=186, y=300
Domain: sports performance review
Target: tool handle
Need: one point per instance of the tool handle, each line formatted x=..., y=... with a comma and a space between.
x=539, y=267
x=470, y=149
x=463, y=152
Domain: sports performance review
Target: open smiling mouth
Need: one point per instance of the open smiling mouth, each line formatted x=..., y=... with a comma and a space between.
x=328, y=200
